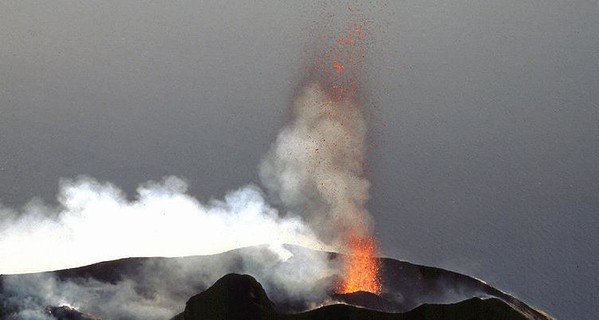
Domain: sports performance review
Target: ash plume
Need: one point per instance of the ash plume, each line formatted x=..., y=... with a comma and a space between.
x=315, y=167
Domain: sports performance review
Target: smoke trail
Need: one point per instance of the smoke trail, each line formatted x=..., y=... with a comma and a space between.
x=95, y=222
x=315, y=167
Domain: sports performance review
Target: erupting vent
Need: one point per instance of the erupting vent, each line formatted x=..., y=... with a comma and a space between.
x=361, y=267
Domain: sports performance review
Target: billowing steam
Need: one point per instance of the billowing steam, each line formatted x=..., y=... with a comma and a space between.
x=95, y=222
x=314, y=169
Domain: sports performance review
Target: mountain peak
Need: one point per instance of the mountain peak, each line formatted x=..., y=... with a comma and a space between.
x=234, y=296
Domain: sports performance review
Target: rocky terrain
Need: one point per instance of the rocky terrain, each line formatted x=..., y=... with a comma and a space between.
x=247, y=284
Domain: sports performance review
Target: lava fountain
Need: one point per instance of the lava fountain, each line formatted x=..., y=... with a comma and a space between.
x=316, y=166
x=360, y=265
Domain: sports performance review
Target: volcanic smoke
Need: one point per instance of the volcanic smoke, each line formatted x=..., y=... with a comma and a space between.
x=316, y=165
x=315, y=168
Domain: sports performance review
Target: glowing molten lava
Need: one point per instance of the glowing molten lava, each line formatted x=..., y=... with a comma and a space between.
x=340, y=75
x=361, y=267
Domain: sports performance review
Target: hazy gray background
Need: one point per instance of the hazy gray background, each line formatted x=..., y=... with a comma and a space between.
x=485, y=118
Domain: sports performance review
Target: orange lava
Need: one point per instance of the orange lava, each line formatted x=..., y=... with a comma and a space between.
x=342, y=70
x=361, y=267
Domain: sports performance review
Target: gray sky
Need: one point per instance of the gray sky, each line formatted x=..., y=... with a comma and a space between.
x=484, y=118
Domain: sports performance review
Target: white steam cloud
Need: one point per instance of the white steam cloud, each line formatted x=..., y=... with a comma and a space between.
x=95, y=222
x=314, y=169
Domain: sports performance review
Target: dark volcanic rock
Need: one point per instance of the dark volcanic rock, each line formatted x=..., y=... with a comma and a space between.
x=235, y=297
x=171, y=281
x=241, y=297
x=471, y=309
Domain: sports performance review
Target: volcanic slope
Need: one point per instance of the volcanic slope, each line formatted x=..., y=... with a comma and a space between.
x=158, y=288
x=241, y=297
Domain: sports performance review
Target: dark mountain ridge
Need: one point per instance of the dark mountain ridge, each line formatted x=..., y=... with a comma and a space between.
x=241, y=297
x=406, y=286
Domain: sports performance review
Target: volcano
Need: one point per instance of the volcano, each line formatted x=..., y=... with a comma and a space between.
x=241, y=297
x=219, y=290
